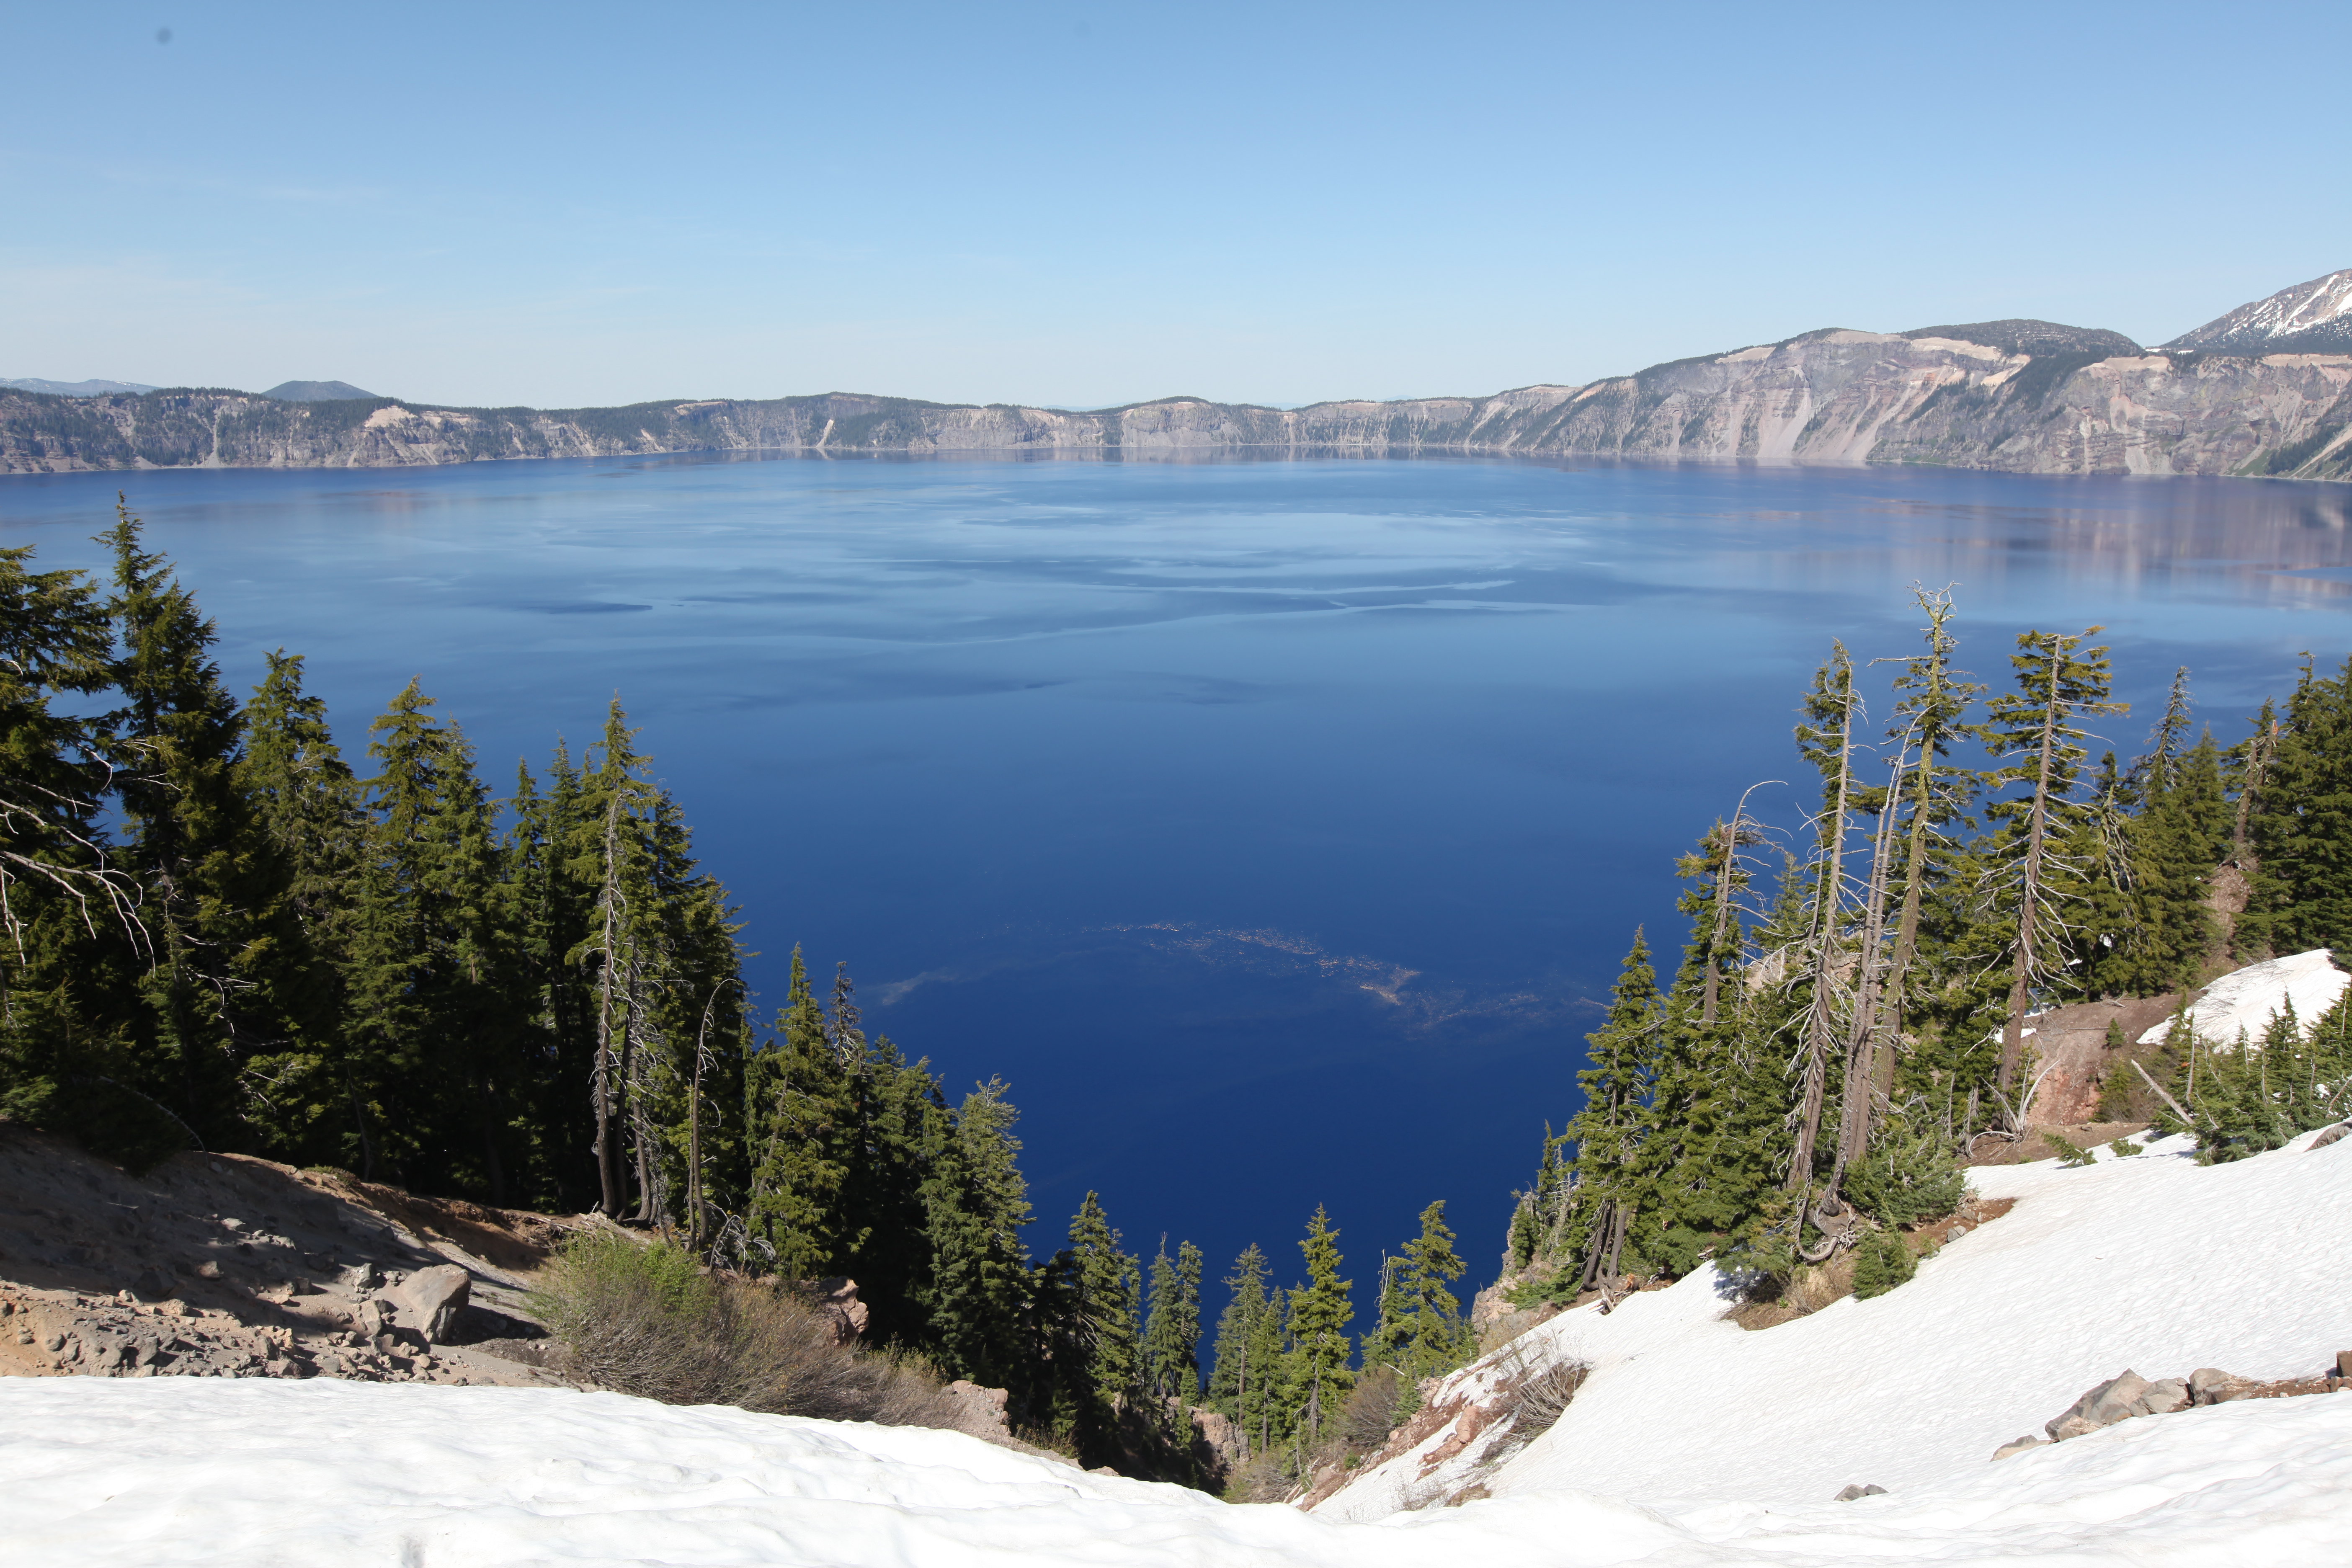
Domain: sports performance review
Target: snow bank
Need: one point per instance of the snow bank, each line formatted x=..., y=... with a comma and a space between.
x=2248, y=999
x=105, y=1473
x=2150, y=1262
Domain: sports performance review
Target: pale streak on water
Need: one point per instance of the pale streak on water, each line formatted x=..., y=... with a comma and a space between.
x=1270, y=826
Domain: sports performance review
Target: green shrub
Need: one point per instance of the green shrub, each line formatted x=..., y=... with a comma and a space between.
x=1881, y=1263
x=1908, y=1176
x=2069, y=1152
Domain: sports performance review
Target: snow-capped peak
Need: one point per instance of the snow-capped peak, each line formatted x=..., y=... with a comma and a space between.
x=2314, y=317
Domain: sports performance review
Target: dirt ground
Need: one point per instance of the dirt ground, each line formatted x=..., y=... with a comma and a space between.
x=227, y=1266
x=2033, y=1146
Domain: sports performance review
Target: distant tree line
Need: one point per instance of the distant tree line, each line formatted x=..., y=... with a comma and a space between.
x=219, y=931
x=1820, y=1058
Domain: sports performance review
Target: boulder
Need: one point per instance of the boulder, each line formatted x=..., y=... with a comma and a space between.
x=978, y=1412
x=2330, y=1136
x=2211, y=1385
x=2344, y=1363
x=428, y=1301
x=2019, y=1445
x=838, y=1298
x=1223, y=1438
x=2116, y=1399
x=1859, y=1489
x=2164, y=1397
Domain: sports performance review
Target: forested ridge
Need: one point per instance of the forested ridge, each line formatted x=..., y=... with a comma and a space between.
x=221, y=929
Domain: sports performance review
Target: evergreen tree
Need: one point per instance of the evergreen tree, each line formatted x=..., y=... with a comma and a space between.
x=1172, y=1334
x=186, y=837
x=1320, y=1312
x=2295, y=784
x=72, y=935
x=975, y=1203
x=1238, y=1379
x=1104, y=1286
x=429, y=1024
x=799, y=1099
x=297, y=1090
x=2178, y=838
x=1608, y=1130
x=1423, y=1333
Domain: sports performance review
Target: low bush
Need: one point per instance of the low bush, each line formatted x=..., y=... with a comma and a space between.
x=1372, y=1410
x=1535, y=1396
x=1883, y=1261
x=646, y=1320
x=1909, y=1175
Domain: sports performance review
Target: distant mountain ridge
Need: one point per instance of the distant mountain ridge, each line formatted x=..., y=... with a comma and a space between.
x=2017, y=336
x=73, y=388
x=315, y=392
x=2020, y=395
x=2310, y=318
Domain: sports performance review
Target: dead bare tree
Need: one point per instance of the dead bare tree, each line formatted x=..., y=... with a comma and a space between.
x=2059, y=684
x=1827, y=742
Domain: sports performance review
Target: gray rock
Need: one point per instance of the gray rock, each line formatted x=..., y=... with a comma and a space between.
x=2103, y=1405
x=1859, y=1490
x=2019, y=1445
x=1955, y=1234
x=2332, y=1135
x=2211, y=1385
x=430, y=1300
x=2164, y=1397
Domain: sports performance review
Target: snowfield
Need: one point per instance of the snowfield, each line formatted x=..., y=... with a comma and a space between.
x=2151, y=1262
x=106, y=1473
x=2246, y=1001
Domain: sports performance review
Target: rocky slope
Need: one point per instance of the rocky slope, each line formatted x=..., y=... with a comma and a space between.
x=2021, y=396
x=225, y=1266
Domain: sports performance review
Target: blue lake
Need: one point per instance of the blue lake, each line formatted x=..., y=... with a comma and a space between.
x=1272, y=826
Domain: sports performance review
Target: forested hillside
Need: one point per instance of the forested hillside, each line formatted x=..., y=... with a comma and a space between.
x=221, y=927
x=1850, y=1014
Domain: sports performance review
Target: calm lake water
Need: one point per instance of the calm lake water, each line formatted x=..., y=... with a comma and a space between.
x=1272, y=826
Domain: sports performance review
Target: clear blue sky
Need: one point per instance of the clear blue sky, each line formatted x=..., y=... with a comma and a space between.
x=1089, y=204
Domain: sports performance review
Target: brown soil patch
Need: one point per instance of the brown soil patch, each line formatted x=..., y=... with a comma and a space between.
x=1815, y=1288
x=2033, y=1146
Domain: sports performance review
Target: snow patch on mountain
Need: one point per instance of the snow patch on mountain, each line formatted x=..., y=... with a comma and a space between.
x=2244, y=1000
x=2314, y=317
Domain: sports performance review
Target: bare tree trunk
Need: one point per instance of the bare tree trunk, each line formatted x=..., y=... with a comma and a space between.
x=2026, y=963
x=1865, y=1039
x=1820, y=1023
x=1728, y=847
x=608, y=1154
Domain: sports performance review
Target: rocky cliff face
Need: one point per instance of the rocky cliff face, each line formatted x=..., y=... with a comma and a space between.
x=2026, y=397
